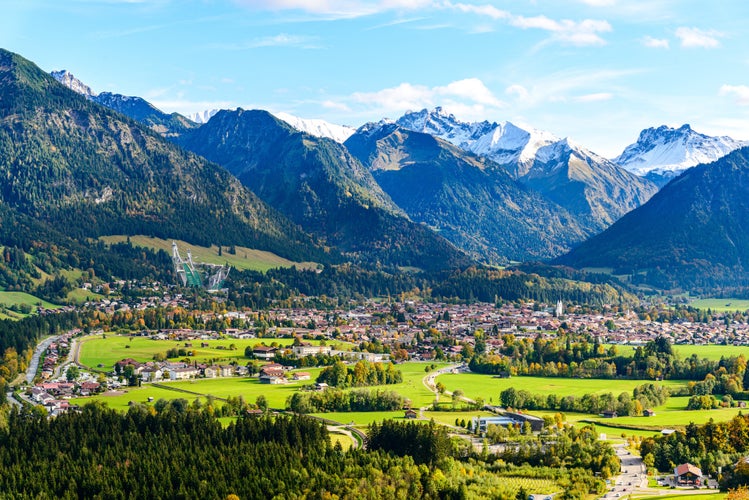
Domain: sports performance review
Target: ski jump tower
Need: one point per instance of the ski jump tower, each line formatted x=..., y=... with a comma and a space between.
x=191, y=275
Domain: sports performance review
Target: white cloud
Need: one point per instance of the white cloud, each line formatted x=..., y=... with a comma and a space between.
x=697, y=38
x=468, y=97
x=596, y=97
x=184, y=107
x=655, y=43
x=599, y=3
x=339, y=106
x=481, y=10
x=584, y=32
x=740, y=92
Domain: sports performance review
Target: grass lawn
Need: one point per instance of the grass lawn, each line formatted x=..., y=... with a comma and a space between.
x=120, y=400
x=674, y=414
x=344, y=439
x=96, y=350
x=244, y=258
x=721, y=305
x=8, y=299
x=250, y=387
x=710, y=351
x=361, y=418
x=486, y=386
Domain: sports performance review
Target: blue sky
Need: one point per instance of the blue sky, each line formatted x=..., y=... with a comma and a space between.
x=597, y=71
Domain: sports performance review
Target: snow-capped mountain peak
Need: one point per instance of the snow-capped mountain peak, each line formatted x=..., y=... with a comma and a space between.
x=202, y=117
x=318, y=128
x=66, y=78
x=667, y=151
x=445, y=125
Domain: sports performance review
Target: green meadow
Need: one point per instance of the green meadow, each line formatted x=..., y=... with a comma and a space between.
x=712, y=352
x=250, y=388
x=10, y=299
x=476, y=385
x=721, y=305
x=103, y=351
x=243, y=258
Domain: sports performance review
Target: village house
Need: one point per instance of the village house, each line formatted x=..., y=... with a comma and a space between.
x=688, y=474
x=264, y=352
x=307, y=349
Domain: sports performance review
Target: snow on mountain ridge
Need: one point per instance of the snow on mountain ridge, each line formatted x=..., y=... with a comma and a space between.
x=202, y=117
x=668, y=151
x=70, y=81
x=504, y=142
x=318, y=128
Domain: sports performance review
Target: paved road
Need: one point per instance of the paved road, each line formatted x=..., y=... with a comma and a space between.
x=634, y=480
x=34, y=365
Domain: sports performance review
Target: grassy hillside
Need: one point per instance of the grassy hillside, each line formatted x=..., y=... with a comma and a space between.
x=243, y=258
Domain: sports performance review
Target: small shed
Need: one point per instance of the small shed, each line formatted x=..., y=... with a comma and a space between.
x=410, y=414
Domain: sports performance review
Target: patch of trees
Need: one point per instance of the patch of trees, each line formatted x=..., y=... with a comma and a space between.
x=643, y=397
x=361, y=374
x=570, y=447
x=708, y=446
x=425, y=443
x=338, y=400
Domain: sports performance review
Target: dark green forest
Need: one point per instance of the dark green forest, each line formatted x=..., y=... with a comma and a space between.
x=180, y=453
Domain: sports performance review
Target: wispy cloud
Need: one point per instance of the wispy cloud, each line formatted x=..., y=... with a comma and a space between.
x=655, y=43
x=337, y=9
x=599, y=3
x=596, y=97
x=697, y=38
x=585, y=32
x=280, y=40
x=739, y=92
x=569, y=86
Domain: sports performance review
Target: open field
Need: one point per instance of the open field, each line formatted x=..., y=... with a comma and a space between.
x=674, y=414
x=250, y=388
x=98, y=352
x=710, y=351
x=8, y=299
x=476, y=385
x=244, y=258
x=721, y=305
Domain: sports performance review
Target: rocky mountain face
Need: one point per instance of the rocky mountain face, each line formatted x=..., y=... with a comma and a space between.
x=137, y=108
x=590, y=187
x=662, y=153
x=320, y=185
x=89, y=171
x=691, y=234
x=468, y=199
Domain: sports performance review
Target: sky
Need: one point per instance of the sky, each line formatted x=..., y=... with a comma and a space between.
x=596, y=71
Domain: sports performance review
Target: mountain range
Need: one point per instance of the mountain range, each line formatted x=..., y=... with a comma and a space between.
x=396, y=191
x=88, y=171
x=596, y=191
x=317, y=183
x=468, y=199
